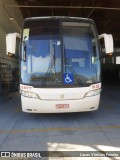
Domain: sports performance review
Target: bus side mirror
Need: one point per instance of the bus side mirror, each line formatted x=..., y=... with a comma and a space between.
x=108, y=42
x=11, y=43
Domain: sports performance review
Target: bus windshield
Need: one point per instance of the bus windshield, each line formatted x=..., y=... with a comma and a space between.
x=58, y=53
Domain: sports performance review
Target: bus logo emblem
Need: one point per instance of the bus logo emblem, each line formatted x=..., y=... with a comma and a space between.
x=62, y=96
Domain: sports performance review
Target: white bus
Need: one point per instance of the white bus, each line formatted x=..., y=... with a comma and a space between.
x=60, y=65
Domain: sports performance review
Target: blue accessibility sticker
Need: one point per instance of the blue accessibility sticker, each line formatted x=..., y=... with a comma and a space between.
x=68, y=78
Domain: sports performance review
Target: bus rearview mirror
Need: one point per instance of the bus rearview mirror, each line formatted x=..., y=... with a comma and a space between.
x=11, y=43
x=108, y=42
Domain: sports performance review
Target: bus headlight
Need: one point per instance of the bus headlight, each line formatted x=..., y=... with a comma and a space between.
x=29, y=94
x=93, y=93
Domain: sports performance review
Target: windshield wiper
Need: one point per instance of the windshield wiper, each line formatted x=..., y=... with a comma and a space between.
x=49, y=70
x=72, y=70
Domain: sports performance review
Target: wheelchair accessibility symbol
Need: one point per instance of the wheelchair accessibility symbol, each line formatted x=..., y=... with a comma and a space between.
x=68, y=78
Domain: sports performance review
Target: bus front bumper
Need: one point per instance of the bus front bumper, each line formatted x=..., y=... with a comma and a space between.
x=33, y=105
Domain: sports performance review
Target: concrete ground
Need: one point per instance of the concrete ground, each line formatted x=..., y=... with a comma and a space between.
x=88, y=131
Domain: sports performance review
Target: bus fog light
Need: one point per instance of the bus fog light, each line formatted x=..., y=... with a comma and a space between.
x=93, y=93
x=29, y=94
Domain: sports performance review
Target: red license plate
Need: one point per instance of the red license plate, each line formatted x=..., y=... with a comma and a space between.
x=60, y=106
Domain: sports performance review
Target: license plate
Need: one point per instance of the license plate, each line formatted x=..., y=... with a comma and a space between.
x=60, y=106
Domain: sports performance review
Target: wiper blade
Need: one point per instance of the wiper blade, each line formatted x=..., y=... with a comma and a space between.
x=50, y=67
x=72, y=70
x=48, y=72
